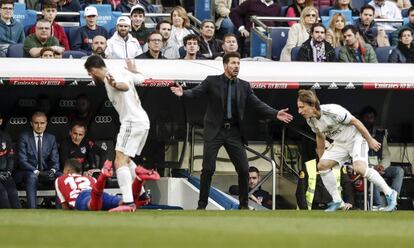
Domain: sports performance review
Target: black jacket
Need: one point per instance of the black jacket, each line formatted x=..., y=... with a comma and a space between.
x=215, y=47
x=212, y=87
x=306, y=54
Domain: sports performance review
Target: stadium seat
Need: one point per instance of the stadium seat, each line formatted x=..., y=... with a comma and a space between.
x=103, y=127
x=383, y=53
x=15, y=51
x=283, y=10
x=58, y=126
x=357, y=4
x=182, y=52
x=17, y=125
x=25, y=17
x=324, y=10
x=346, y=13
x=106, y=18
x=72, y=34
x=279, y=36
x=73, y=54
x=404, y=12
x=294, y=53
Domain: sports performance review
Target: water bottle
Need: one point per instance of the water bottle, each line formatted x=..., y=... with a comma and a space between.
x=149, y=196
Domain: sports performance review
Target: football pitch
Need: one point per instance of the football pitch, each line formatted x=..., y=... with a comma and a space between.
x=155, y=228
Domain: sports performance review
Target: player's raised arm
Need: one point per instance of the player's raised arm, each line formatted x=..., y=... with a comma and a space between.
x=117, y=85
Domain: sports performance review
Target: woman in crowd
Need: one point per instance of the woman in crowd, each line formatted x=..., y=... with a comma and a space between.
x=181, y=22
x=334, y=33
x=404, y=51
x=299, y=32
x=295, y=9
x=345, y=5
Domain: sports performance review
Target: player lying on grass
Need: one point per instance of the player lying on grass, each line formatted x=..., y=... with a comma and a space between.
x=86, y=193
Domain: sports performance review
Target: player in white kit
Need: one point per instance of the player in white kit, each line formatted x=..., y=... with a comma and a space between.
x=350, y=139
x=120, y=87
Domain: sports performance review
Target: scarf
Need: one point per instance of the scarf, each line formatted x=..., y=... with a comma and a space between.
x=407, y=52
x=318, y=50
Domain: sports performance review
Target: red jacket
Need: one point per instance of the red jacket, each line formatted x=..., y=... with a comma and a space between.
x=59, y=32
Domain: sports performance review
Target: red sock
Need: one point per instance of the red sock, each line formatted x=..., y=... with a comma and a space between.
x=136, y=190
x=96, y=194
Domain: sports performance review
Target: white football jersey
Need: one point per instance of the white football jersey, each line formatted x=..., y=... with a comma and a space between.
x=127, y=103
x=334, y=123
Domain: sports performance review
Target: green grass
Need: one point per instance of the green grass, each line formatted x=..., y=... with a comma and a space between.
x=145, y=228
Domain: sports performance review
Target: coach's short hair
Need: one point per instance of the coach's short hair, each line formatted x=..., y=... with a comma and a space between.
x=227, y=56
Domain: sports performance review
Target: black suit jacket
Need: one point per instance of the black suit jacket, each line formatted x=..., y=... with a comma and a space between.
x=212, y=86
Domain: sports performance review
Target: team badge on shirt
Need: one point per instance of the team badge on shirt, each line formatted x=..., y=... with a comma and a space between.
x=3, y=145
x=83, y=149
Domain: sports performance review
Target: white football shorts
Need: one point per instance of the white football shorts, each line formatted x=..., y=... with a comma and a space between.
x=131, y=139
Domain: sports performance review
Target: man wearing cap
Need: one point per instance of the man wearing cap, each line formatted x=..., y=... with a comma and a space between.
x=85, y=34
x=122, y=45
x=138, y=29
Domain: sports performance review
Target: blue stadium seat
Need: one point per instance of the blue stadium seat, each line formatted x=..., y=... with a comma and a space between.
x=294, y=53
x=357, y=4
x=25, y=17
x=383, y=53
x=182, y=52
x=279, y=36
x=346, y=13
x=404, y=13
x=15, y=51
x=324, y=10
x=72, y=34
x=106, y=18
x=73, y=54
x=283, y=10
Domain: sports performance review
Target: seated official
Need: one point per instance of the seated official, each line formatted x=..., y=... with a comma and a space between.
x=81, y=148
x=37, y=158
x=312, y=194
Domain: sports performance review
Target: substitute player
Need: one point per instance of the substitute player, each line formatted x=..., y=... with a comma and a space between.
x=86, y=193
x=351, y=139
x=120, y=87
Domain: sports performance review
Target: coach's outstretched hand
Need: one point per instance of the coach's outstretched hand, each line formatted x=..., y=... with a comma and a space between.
x=178, y=91
x=284, y=116
x=131, y=65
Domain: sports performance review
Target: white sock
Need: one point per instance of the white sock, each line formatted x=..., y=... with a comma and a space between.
x=374, y=177
x=329, y=181
x=125, y=183
x=132, y=167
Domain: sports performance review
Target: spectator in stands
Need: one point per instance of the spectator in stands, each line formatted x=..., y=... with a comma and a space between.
x=387, y=10
x=125, y=6
x=83, y=112
x=355, y=49
x=381, y=159
x=33, y=4
x=154, y=47
x=170, y=48
x=49, y=11
x=122, y=45
x=210, y=47
x=240, y=15
x=180, y=24
x=11, y=31
x=404, y=51
x=334, y=33
x=37, y=158
x=345, y=5
x=78, y=146
x=295, y=9
x=402, y=4
x=316, y=48
x=84, y=35
x=368, y=28
x=223, y=21
x=299, y=32
x=68, y=6
x=8, y=191
x=41, y=38
x=312, y=194
x=323, y=4
x=410, y=25
x=138, y=29
x=86, y=3
x=192, y=47
x=47, y=53
x=99, y=46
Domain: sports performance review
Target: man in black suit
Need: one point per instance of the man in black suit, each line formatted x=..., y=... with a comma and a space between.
x=37, y=158
x=223, y=123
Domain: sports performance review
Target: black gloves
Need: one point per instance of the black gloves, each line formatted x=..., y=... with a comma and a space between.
x=4, y=175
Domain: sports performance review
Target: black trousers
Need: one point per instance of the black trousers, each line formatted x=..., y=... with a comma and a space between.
x=232, y=142
x=8, y=194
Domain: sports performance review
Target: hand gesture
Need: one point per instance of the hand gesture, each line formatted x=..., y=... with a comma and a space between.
x=178, y=91
x=374, y=145
x=284, y=116
x=131, y=65
x=244, y=33
x=110, y=80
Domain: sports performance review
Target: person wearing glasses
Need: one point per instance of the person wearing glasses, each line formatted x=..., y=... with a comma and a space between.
x=155, y=44
x=122, y=45
x=42, y=37
x=11, y=31
x=299, y=32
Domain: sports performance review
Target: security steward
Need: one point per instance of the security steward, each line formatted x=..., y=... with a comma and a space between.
x=312, y=194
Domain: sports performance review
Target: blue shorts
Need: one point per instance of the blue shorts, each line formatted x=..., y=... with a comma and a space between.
x=108, y=201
